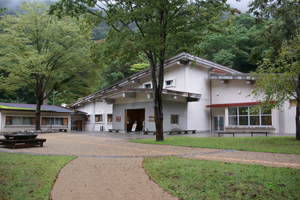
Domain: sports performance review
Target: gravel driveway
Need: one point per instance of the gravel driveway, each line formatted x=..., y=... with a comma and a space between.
x=110, y=167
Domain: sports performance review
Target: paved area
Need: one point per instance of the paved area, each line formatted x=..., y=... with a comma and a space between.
x=110, y=167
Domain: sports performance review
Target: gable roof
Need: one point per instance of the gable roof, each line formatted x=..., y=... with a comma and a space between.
x=32, y=107
x=182, y=58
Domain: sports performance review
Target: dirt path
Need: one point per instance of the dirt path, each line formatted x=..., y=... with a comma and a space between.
x=111, y=168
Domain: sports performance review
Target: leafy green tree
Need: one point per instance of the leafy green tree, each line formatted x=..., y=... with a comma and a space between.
x=42, y=52
x=278, y=77
x=233, y=46
x=2, y=9
x=156, y=28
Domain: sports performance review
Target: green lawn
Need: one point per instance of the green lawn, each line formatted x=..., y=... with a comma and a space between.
x=197, y=179
x=260, y=144
x=29, y=176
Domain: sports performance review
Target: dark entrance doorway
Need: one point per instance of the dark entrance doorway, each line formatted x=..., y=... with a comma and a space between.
x=135, y=116
x=76, y=125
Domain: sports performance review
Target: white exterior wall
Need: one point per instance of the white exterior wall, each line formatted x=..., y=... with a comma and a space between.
x=93, y=109
x=16, y=128
x=176, y=73
x=196, y=81
x=104, y=109
x=235, y=91
x=289, y=115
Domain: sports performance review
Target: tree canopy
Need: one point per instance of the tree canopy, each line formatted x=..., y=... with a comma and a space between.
x=42, y=52
x=278, y=77
x=234, y=45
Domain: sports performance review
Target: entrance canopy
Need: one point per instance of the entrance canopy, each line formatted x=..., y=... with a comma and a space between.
x=131, y=93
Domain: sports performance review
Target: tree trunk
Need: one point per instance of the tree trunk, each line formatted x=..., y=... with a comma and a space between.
x=158, y=114
x=39, y=103
x=298, y=110
x=158, y=102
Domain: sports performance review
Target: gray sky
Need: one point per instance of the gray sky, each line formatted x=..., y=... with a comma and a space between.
x=242, y=5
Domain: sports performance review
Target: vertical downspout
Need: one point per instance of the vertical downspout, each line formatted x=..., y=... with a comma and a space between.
x=210, y=101
x=93, y=114
x=187, y=103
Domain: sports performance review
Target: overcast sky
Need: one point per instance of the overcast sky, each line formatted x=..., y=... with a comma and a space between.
x=242, y=5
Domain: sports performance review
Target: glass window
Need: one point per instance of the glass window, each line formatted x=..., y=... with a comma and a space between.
x=293, y=102
x=233, y=121
x=266, y=120
x=243, y=110
x=174, y=119
x=54, y=121
x=254, y=120
x=49, y=121
x=98, y=118
x=87, y=118
x=109, y=118
x=58, y=121
x=14, y=120
x=239, y=116
x=233, y=111
x=243, y=120
x=26, y=120
x=147, y=85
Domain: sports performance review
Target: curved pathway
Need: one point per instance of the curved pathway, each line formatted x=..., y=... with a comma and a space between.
x=108, y=167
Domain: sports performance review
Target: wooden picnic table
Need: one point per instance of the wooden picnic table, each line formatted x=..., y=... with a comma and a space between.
x=19, y=136
x=21, y=140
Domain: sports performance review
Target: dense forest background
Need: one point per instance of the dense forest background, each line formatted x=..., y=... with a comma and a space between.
x=236, y=46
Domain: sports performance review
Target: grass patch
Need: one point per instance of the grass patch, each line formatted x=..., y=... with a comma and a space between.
x=286, y=145
x=29, y=176
x=195, y=179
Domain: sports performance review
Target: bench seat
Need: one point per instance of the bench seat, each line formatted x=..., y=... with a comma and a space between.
x=257, y=132
x=115, y=130
x=187, y=131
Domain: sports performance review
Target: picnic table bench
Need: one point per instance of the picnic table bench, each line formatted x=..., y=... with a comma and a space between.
x=146, y=132
x=187, y=131
x=257, y=132
x=115, y=130
x=21, y=140
x=63, y=130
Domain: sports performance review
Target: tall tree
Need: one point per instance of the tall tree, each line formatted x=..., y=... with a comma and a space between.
x=234, y=45
x=278, y=78
x=42, y=52
x=155, y=27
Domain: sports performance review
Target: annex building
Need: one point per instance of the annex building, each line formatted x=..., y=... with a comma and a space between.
x=15, y=117
x=206, y=97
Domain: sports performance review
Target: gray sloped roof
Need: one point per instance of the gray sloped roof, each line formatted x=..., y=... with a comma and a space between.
x=32, y=107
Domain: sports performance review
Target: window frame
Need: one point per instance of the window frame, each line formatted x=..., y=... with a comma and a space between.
x=293, y=102
x=176, y=122
x=64, y=121
x=30, y=119
x=97, y=118
x=237, y=116
x=147, y=83
x=109, y=117
x=172, y=83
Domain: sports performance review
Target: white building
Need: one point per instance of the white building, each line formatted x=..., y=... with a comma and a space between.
x=205, y=96
x=15, y=117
